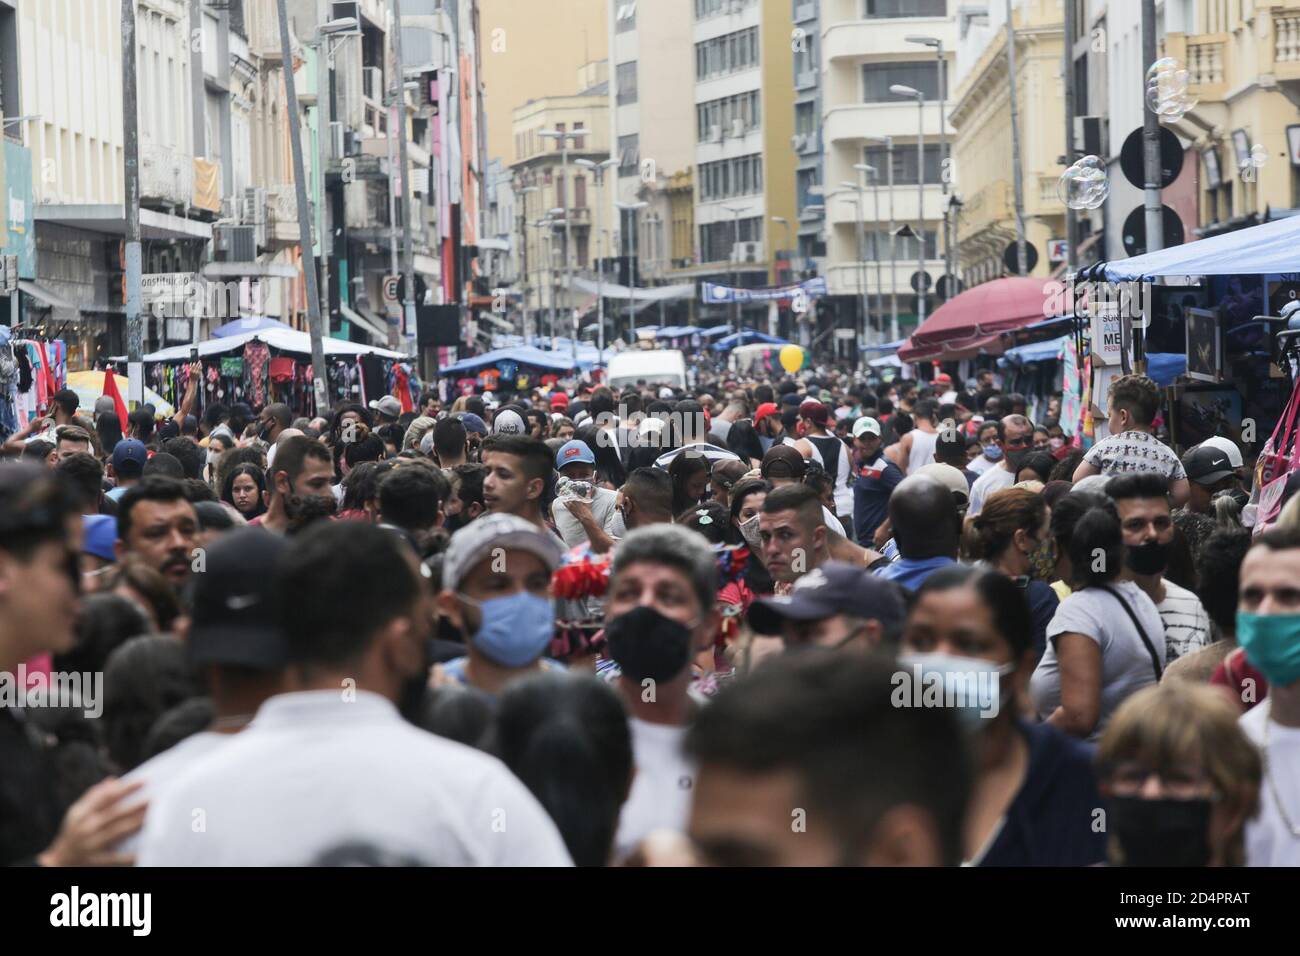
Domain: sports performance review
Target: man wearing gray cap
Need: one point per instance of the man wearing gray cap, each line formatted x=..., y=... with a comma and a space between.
x=496, y=580
x=835, y=606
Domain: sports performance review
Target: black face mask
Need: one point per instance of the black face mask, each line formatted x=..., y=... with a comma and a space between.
x=454, y=523
x=1146, y=559
x=648, y=646
x=1162, y=832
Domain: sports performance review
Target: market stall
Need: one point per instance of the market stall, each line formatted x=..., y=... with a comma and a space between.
x=974, y=322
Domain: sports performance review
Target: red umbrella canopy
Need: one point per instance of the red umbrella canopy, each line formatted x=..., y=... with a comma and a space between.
x=972, y=321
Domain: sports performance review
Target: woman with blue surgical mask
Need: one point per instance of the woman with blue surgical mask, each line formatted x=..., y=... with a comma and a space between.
x=496, y=592
x=968, y=646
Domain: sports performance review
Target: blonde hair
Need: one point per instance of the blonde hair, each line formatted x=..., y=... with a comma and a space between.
x=1176, y=723
x=1290, y=516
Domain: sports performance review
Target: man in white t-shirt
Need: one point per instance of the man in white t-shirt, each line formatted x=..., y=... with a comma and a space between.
x=1146, y=519
x=1017, y=442
x=331, y=771
x=1268, y=629
x=660, y=612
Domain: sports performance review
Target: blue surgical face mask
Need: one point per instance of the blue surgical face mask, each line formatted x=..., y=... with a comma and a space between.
x=993, y=452
x=515, y=629
x=1272, y=643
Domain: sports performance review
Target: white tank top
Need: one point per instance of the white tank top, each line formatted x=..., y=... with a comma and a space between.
x=922, y=450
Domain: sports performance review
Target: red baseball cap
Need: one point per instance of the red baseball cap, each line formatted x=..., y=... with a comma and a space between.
x=559, y=400
x=767, y=408
x=815, y=411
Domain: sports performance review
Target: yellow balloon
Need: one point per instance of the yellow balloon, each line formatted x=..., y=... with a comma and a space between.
x=792, y=358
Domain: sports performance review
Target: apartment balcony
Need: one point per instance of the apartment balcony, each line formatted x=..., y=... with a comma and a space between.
x=807, y=80
x=282, y=216
x=166, y=175
x=874, y=39
x=850, y=124
x=1209, y=61
x=841, y=205
x=262, y=21
x=1286, y=50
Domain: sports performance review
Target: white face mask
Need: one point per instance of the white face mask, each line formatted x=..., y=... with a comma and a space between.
x=749, y=531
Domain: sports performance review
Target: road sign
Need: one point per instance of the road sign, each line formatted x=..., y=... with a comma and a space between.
x=167, y=286
x=1011, y=258
x=1132, y=159
x=1058, y=250
x=921, y=281
x=949, y=286
x=1135, y=230
x=392, y=288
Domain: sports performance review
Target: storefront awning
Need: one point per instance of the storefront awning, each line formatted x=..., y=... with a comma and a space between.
x=1268, y=249
x=42, y=294
x=375, y=331
x=973, y=323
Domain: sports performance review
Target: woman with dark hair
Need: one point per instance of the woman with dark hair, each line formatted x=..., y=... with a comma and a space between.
x=690, y=477
x=566, y=738
x=245, y=490
x=743, y=440
x=1006, y=535
x=1037, y=466
x=109, y=430
x=709, y=518
x=1106, y=640
x=143, y=679
x=1034, y=794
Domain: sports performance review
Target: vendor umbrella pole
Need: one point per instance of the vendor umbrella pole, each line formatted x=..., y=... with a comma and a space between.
x=304, y=219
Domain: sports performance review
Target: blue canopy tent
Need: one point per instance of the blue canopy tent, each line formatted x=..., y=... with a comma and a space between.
x=715, y=330
x=1163, y=368
x=249, y=323
x=1267, y=249
x=746, y=337
x=1038, y=352
x=678, y=331
x=520, y=355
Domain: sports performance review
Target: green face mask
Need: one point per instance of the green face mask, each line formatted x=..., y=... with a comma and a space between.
x=1272, y=643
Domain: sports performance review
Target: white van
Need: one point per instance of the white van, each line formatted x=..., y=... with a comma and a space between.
x=652, y=366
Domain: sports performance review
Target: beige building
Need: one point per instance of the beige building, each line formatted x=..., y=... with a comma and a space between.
x=541, y=185
x=531, y=49
x=986, y=227
x=864, y=51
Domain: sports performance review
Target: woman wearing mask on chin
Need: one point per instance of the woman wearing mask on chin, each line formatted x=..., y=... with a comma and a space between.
x=1180, y=778
x=746, y=505
x=1034, y=796
x=496, y=581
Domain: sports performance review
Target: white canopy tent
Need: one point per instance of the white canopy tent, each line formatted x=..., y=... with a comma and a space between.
x=285, y=340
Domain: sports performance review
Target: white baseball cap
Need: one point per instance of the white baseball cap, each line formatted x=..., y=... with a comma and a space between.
x=508, y=423
x=866, y=426
x=1228, y=447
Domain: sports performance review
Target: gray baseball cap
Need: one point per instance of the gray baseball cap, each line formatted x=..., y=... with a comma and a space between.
x=478, y=539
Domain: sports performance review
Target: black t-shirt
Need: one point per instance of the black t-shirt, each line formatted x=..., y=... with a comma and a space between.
x=29, y=809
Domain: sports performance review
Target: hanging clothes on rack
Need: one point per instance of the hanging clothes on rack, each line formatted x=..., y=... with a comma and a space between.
x=257, y=358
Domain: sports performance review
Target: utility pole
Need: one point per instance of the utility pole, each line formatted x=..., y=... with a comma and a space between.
x=1151, y=136
x=131, y=164
x=888, y=142
x=1022, y=256
x=408, y=250
x=1071, y=216
x=320, y=388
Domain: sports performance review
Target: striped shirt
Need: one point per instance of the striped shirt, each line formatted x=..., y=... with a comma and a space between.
x=1187, y=626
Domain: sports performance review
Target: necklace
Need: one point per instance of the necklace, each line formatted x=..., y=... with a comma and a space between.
x=1272, y=787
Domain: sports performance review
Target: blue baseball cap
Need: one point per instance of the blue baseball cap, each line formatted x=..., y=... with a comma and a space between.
x=98, y=535
x=473, y=423
x=574, y=451
x=129, y=458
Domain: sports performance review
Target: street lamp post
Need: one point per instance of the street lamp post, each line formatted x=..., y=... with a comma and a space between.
x=874, y=174
x=864, y=304
x=937, y=45
x=524, y=193
x=910, y=93
x=562, y=137
x=598, y=171
x=735, y=272
x=888, y=143
x=1017, y=171
x=634, y=208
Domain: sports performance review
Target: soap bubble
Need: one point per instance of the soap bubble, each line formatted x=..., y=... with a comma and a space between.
x=1167, y=89
x=1085, y=185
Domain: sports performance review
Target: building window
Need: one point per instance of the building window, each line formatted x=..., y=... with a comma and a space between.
x=626, y=19
x=877, y=78
x=729, y=116
x=738, y=176
x=580, y=192
x=626, y=83
x=629, y=154
x=805, y=179
x=582, y=244
x=711, y=8
x=579, y=134
x=805, y=119
x=718, y=238
x=905, y=164
x=727, y=54
x=891, y=9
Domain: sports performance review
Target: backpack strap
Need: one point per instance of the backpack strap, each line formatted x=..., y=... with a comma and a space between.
x=1151, y=649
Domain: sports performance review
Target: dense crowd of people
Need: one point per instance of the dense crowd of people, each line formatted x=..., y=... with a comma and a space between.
x=808, y=621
